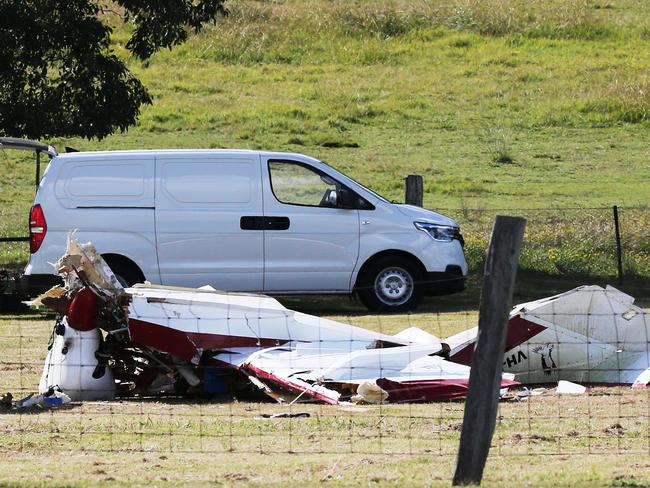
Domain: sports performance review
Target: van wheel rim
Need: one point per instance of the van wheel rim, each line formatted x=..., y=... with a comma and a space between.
x=394, y=286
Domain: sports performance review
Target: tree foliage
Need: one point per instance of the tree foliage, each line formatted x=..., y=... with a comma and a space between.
x=58, y=74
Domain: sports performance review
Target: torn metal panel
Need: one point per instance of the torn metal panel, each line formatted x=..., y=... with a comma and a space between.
x=72, y=366
x=151, y=339
x=295, y=385
x=83, y=265
x=239, y=320
x=643, y=380
x=587, y=335
x=568, y=388
x=405, y=373
x=418, y=336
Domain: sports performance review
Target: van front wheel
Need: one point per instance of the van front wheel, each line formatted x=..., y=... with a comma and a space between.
x=391, y=284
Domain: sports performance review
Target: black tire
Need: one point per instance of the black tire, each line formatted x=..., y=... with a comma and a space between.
x=126, y=272
x=391, y=284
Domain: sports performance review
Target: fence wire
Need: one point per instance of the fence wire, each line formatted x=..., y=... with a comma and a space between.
x=533, y=420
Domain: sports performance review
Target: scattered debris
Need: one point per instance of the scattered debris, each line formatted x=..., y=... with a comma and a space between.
x=286, y=415
x=528, y=392
x=370, y=392
x=51, y=398
x=568, y=388
x=587, y=335
x=154, y=340
x=110, y=341
x=615, y=429
x=6, y=402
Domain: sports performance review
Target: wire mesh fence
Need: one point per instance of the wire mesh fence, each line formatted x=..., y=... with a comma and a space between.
x=605, y=348
x=578, y=241
x=533, y=419
x=612, y=417
x=568, y=241
x=14, y=245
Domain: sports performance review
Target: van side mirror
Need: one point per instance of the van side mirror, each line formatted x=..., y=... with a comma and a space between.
x=345, y=198
x=331, y=198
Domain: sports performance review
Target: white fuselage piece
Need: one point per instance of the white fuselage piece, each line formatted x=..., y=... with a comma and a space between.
x=587, y=335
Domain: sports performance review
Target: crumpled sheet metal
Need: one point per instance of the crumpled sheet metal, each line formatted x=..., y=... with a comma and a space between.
x=589, y=335
x=85, y=258
x=157, y=340
x=289, y=353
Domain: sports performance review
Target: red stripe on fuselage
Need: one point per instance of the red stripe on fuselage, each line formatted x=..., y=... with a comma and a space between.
x=186, y=345
x=519, y=331
x=288, y=384
x=428, y=390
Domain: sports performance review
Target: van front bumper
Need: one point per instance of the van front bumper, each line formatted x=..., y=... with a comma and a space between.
x=446, y=282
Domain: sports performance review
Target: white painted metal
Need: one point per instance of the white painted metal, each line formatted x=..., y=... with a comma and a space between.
x=70, y=364
x=242, y=315
x=199, y=204
x=119, y=220
x=319, y=250
x=180, y=222
x=591, y=335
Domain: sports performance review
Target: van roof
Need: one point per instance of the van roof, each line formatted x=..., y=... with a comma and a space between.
x=150, y=152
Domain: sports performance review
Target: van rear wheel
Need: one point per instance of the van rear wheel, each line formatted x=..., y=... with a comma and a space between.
x=126, y=272
x=391, y=284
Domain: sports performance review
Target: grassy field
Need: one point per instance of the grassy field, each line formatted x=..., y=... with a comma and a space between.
x=533, y=108
x=174, y=442
x=504, y=106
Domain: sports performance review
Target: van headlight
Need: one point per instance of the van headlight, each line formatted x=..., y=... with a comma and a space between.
x=444, y=233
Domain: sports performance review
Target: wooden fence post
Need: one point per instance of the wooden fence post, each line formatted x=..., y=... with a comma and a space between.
x=619, y=250
x=482, y=401
x=414, y=190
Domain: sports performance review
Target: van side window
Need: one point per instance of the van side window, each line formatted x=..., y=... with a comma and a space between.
x=296, y=184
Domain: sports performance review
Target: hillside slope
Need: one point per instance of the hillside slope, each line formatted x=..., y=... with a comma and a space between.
x=499, y=104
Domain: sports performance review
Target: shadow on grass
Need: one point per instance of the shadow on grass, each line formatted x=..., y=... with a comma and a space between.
x=530, y=285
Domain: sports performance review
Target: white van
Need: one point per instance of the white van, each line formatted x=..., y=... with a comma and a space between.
x=239, y=220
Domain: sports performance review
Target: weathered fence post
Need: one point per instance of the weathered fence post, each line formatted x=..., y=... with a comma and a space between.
x=619, y=250
x=485, y=376
x=414, y=190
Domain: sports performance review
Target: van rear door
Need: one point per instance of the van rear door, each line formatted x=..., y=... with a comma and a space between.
x=109, y=198
x=200, y=201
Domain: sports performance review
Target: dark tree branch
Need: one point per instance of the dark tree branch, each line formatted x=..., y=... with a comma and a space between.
x=58, y=74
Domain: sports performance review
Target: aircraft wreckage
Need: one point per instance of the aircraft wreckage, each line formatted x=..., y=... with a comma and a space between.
x=110, y=341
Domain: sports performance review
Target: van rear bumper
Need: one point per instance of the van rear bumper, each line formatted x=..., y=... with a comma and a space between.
x=446, y=282
x=34, y=284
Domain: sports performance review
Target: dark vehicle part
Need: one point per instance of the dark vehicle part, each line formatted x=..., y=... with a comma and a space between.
x=126, y=271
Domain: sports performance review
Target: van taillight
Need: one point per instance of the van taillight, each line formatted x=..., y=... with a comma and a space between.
x=37, y=228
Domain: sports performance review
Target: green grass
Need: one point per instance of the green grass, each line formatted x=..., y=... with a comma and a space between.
x=504, y=106
x=171, y=442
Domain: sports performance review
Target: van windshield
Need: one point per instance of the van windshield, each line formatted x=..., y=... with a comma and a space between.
x=372, y=192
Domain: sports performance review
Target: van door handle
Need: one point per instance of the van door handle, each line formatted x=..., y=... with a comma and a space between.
x=251, y=222
x=276, y=223
x=258, y=222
